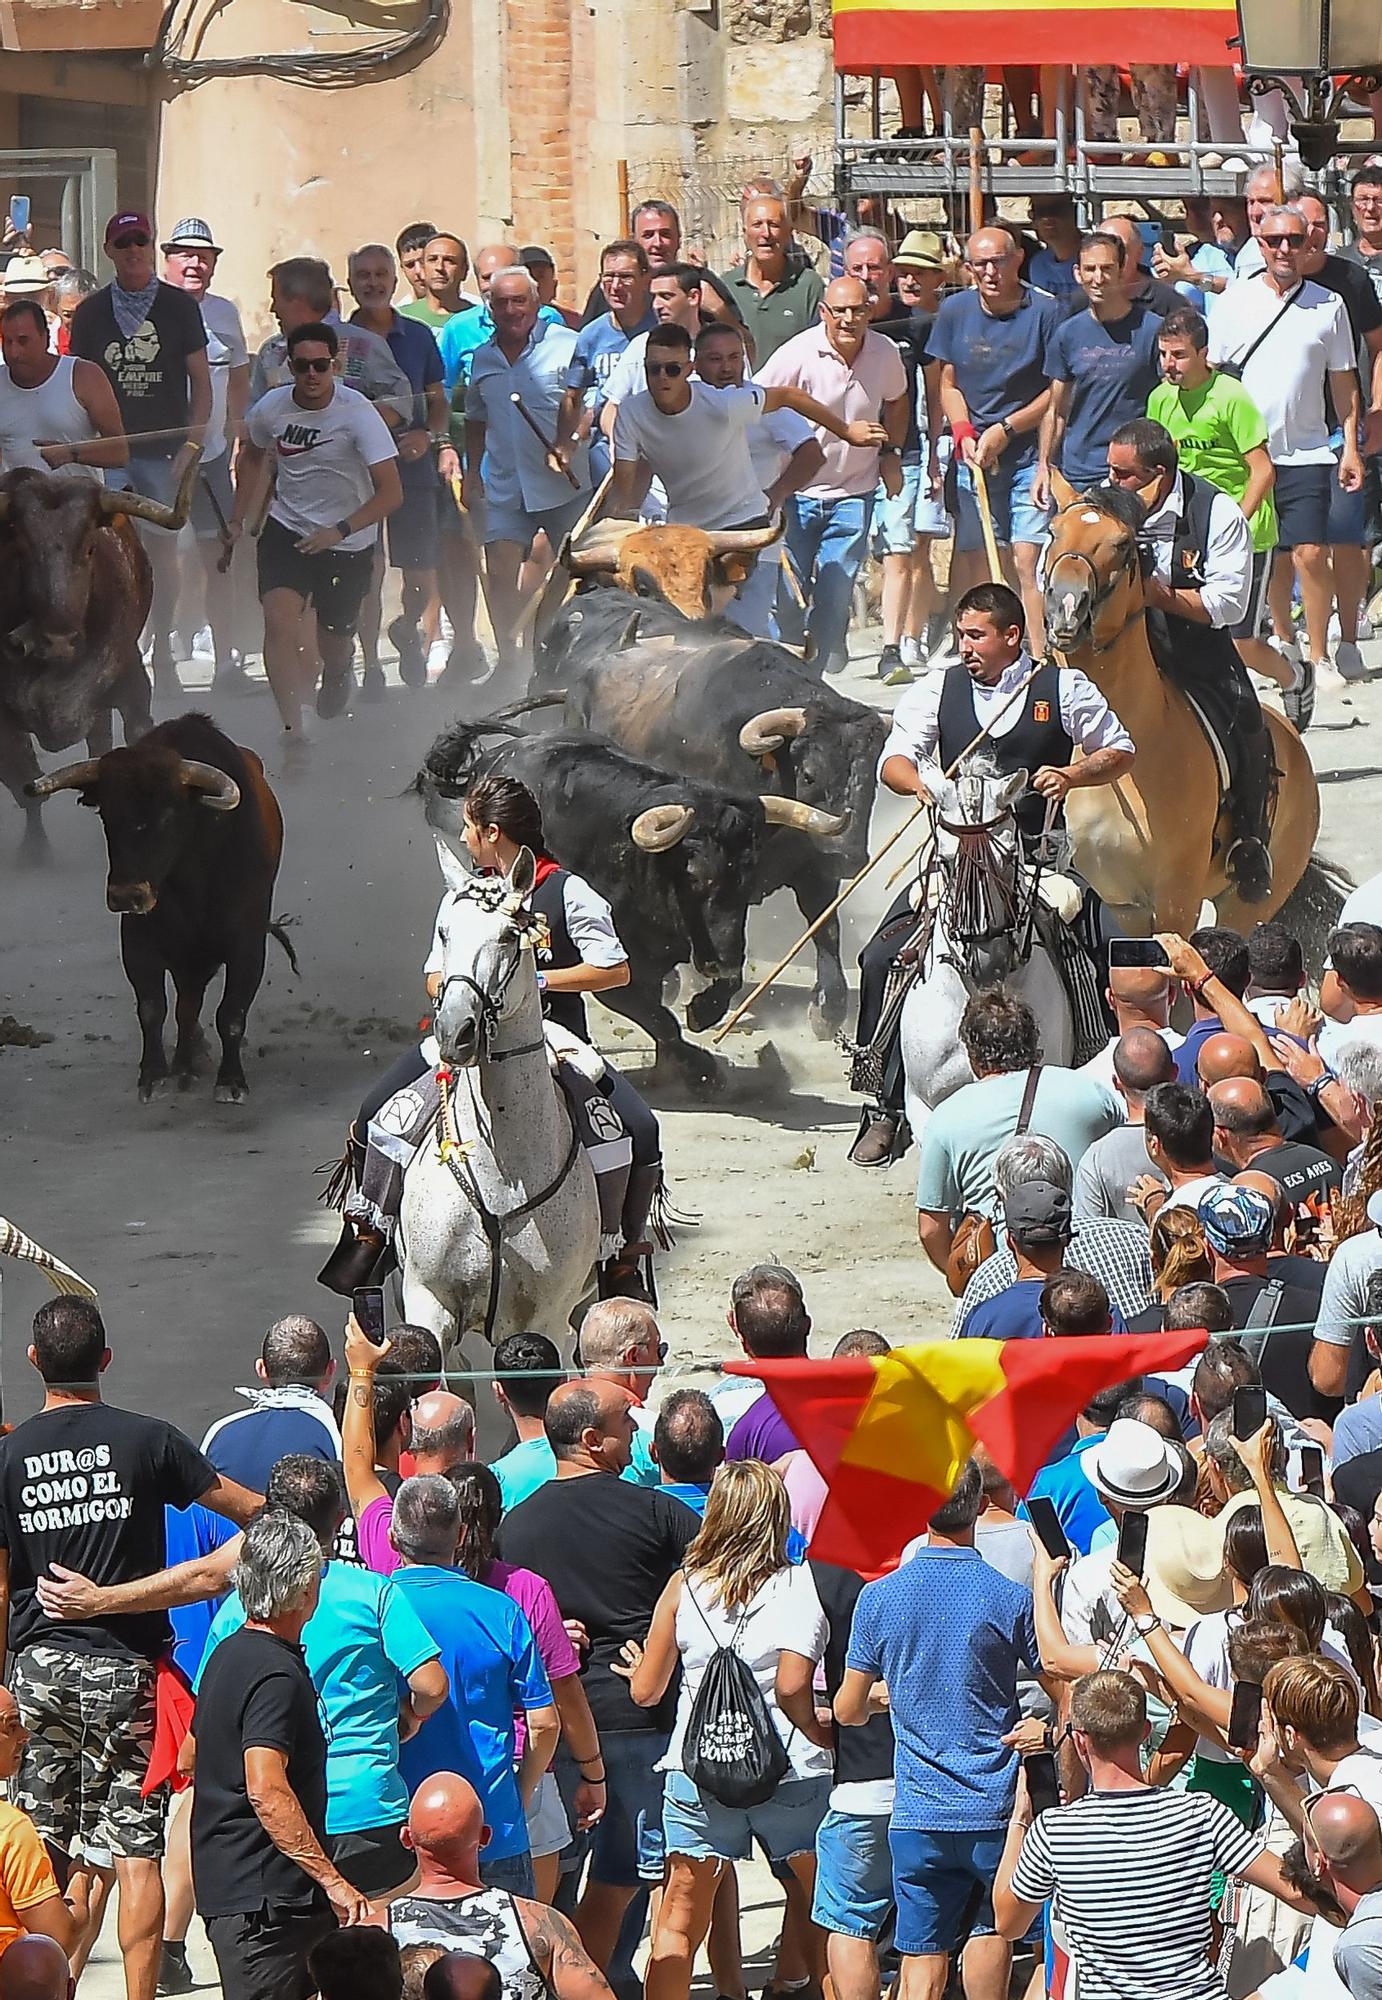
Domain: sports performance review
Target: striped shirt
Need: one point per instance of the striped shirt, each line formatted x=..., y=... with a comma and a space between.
x=1130, y=1873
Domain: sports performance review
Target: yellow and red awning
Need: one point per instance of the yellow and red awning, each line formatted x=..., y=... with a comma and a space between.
x=886, y=34
x=890, y=1433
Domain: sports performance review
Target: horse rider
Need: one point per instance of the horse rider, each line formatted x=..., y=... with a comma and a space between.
x=1059, y=713
x=583, y=954
x=1198, y=586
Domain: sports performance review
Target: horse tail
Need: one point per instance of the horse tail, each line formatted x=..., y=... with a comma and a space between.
x=278, y=930
x=1313, y=908
x=456, y=758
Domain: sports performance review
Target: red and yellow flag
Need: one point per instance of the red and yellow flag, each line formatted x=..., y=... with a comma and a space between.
x=888, y=34
x=889, y=1433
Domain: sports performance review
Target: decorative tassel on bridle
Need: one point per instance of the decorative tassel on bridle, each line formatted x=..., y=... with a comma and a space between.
x=980, y=900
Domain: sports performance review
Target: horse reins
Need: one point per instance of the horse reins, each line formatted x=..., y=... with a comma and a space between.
x=1101, y=591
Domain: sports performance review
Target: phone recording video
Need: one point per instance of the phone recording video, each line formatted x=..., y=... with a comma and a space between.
x=1132, y=1542
x=367, y=1303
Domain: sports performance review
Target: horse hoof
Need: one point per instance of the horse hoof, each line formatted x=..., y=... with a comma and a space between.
x=151, y=1087
x=825, y=1016
x=232, y=1093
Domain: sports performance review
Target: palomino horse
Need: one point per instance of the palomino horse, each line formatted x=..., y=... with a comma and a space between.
x=1153, y=844
x=500, y=1222
x=975, y=939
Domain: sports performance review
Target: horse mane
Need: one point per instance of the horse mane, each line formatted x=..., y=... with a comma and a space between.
x=1117, y=503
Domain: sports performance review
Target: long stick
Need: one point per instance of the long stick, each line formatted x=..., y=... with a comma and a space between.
x=981, y=494
x=873, y=860
x=976, y=178
x=536, y=428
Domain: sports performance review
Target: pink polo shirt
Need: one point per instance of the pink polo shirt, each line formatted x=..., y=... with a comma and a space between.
x=808, y=361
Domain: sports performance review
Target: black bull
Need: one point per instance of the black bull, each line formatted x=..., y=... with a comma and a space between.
x=677, y=859
x=742, y=713
x=193, y=836
x=75, y=589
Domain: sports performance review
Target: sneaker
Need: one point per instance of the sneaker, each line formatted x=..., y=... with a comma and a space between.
x=900, y=677
x=1348, y=661
x=230, y=677
x=412, y=655
x=889, y=660
x=373, y=687
x=174, y=1973
x=913, y=652
x=333, y=697
x=1298, y=702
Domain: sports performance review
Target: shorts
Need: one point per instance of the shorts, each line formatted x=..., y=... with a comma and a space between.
x=1251, y=624
x=509, y=521
x=696, y=1825
x=854, y=1875
x=153, y=477
x=625, y=1845
x=90, y=1718
x=1353, y=517
x=264, y=1956
x=333, y=583
x=414, y=529
x=513, y=1872
x=373, y=1860
x=548, y=1828
x=1016, y=516
x=202, y=514
x=1302, y=504
x=943, y=1883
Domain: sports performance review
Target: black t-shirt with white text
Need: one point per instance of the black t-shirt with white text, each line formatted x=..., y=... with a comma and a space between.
x=1305, y=1174
x=256, y=1694
x=147, y=370
x=85, y=1485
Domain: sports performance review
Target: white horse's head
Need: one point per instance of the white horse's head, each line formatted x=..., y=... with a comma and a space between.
x=979, y=796
x=488, y=973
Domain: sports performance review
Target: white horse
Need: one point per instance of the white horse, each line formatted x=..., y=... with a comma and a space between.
x=975, y=940
x=500, y=1224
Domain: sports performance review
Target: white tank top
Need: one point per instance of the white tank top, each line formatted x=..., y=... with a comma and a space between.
x=485, y=1925
x=50, y=412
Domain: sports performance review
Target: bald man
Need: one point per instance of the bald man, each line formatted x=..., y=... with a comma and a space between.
x=1248, y=1134
x=1140, y=997
x=607, y=1548
x=1105, y=1175
x=459, y=1977
x=857, y=374
x=525, y=1941
x=1222, y=1056
x=1344, y=1846
x=36, y=1968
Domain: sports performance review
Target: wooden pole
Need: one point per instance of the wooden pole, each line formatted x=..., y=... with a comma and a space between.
x=976, y=178
x=873, y=861
x=981, y=494
x=624, y=219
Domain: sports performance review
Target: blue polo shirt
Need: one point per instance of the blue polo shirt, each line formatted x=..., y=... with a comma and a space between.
x=491, y=1660
x=189, y=1532
x=360, y=1644
x=1000, y=359
x=464, y=332
x=598, y=347
x=950, y=1635
x=1111, y=371
x=1069, y=1488
x=414, y=347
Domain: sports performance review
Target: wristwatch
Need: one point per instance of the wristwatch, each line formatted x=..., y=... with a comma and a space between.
x=344, y=529
x=890, y=451
x=1005, y=424
x=1145, y=1622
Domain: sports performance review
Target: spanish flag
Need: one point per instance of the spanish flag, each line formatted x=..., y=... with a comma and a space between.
x=890, y=1433
x=885, y=34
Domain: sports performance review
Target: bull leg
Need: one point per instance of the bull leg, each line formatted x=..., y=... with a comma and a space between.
x=133, y=698
x=641, y=1002
x=830, y=996
x=148, y=975
x=101, y=735
x=18, y=765
x=190, y=989
x=244, y=971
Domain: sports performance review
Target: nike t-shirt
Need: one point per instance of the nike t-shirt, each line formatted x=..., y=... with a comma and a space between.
x=322, y=458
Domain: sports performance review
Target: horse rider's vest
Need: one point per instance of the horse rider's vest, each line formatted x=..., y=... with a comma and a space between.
x=548, y=900
x=1038, y=737
x=1198, y=651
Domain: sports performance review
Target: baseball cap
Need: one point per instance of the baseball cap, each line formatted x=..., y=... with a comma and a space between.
x=1237, y=1221
x=131, y=220
x=1037, y=1212
x=191, y=234
x=921, y=247
x=24, y=274
x=534, y=258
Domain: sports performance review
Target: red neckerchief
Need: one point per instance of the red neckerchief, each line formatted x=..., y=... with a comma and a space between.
x=545, y=866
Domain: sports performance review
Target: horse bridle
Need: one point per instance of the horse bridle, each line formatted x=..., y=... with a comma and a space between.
x=488, y=1008
x=1100, y=590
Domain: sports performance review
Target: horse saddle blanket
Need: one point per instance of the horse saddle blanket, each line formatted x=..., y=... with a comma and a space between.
x=408, y=1119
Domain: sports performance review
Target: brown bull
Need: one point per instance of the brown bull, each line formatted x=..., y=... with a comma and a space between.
x=683, y=566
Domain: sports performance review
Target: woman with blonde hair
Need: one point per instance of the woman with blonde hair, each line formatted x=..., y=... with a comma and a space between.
x=736, y=1589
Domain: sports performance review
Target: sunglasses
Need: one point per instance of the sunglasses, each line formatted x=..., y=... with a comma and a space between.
x=130, y=242
x=303, y=366
x=672, y=368
x=1284, y=242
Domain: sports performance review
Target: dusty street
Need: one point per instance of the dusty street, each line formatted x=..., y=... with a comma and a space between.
x=199, y=1222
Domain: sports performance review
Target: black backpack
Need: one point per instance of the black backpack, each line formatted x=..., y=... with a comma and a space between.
x=731, y=1749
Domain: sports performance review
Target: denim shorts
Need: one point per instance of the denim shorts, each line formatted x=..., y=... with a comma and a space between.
x=944, y=1887
x=694, y=1824
x=1016, y=516
x=898, y=520
x=413, y=529
x=1353, y=522
x=854, y=1875
x=505, y=522
x=625, y=1845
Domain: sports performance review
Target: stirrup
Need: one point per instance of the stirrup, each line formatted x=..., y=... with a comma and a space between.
x=1248, y=865
x=354, y=1262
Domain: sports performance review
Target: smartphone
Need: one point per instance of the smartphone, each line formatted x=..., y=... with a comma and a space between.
x=1153, y=235
x=1132, y=1542
x=1138, y=952
x=1043, y=1787
x=1249, y=1409
x=1244, y=1715
x=1050, y=1533
x=368, y=1305
x=19, y=213
x=1312, y=1470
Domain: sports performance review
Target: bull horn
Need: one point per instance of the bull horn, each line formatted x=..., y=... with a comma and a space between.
x=218, y=790
x=745, y=541
x=599, y=550
x=71, y=778
x=138, y=507
x=661, y=827
x=770, y=729
x=807, y=819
